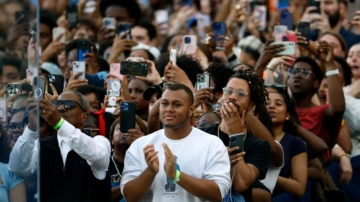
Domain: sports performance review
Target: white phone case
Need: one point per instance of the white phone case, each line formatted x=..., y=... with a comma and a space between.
x=3, y=110
x=109, y=23
x=173, y=55
x=260, y=13
x=56, y=33
x=79, y=66
x=31, y=73
x=289, y=47
x=190, y=44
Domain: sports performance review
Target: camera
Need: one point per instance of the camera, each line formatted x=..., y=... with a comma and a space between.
x=232, y=139
x=124, y=106
x=51, y=78
x=187, y=40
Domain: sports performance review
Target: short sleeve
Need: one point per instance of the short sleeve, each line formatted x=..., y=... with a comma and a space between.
x=299, y=146
x=14, y=180
x=259, y=156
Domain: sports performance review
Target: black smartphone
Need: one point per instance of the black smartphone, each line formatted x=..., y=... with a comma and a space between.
x=286, y=18
x=39, y=87
x=72, y=15
x=304, y=30
x=237, y=141
x=127, y=114
x=202, y=81
x=83, y=47
x=219, y=30
x=317, y=5
x=57, y=81
x=134, y=68
x=189, y=3
x=13, y=89
x=22, y=17
x=123, y=27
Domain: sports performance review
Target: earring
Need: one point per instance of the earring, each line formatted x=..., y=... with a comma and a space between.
x=287, y=118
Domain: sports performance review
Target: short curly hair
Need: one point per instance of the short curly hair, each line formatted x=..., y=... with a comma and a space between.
x=132, y=6
x=220, y=74
x=258, y=94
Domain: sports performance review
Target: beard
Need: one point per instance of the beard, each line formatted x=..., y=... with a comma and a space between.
x=177, y=125
x=334, y=18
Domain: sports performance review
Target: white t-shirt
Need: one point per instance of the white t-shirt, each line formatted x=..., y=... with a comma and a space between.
x=200, y=155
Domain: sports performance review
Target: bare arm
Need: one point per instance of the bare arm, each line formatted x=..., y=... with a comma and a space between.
x=115, y=194
x=153, y=119
x=245, y=175
x=344, y=138
x=316, y=145
x=136, y=189
x=295, y=185
x=222, y=15
x=314, y=169
x=18, y=193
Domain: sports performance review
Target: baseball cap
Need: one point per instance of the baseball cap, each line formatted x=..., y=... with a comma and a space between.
x=149, y=92
x=152, y=50
x=51, y=68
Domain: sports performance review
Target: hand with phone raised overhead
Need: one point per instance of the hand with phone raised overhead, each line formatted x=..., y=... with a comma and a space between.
x=92, y=66
x=175, y=74
x=152, y=159
x=325, y=52
x=318, y=21
x=153, y=75
x=282, y=62
x=62, y=22
x=355, y=22
x=75, y=83
x=16, y=31
x=268, y=54
x=133, y=134
x=120, y=45
x=203, y=96
x=52, y=97
x=54, y=48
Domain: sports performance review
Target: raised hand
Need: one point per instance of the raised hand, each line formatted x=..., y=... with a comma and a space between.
x=151, y=158
x=55, y=93
x=92, y=65
x=76, y=83
x=202, y=96
x=153, y=75
x=355, y=22
x=49, y=112
x=325, y=52
x=269, y=53
x=54, y=48
x=169, y=164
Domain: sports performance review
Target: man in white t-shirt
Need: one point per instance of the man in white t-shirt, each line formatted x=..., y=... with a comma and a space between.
x=179, y=163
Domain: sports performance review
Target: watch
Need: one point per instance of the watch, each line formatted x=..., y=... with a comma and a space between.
x=231, y=58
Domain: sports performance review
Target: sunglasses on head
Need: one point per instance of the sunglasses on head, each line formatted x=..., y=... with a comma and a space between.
x=68, y=104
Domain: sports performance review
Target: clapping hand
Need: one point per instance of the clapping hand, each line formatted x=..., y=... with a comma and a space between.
x=169, y=164
x=151, y=158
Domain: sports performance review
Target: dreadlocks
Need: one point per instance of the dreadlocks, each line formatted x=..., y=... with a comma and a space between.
x=258, y=94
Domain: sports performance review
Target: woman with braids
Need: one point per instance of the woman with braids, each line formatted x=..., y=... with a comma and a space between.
x=243, y=91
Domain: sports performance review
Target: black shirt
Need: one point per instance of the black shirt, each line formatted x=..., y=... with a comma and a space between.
x=114, y=175
x=257, y=153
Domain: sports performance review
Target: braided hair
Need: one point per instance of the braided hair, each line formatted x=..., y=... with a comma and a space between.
x=258, y=94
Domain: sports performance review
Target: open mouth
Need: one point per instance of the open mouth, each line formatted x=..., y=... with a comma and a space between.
x=354, y=67
x=272, y=113
x=297, y=83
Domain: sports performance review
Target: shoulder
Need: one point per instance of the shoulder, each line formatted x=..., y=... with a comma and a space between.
x=251, y=139
x=297, y=144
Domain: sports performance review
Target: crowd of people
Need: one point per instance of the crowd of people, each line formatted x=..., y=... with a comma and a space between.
x=225, y=111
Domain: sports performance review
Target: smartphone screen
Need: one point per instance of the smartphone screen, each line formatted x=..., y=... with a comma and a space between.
x=260, y=13
x=83, y=47
x=304, y=30
x=72, y=15
x=219, y=30
x=134, y=68
x=286, y=18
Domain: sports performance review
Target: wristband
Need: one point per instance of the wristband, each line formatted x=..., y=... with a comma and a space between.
x=271, y=69
x=177, y=177
x=58, y=125
x=344, y=154
x=332, y=72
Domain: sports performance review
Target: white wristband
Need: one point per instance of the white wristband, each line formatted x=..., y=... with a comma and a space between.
x=332, y=72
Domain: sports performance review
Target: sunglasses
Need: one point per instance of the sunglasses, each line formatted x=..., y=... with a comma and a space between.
x=203, y=124
x=303, y=72
x=68, y=104
x=13, y=126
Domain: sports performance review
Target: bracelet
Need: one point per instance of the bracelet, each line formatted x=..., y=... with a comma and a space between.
x=332, y=72
x=344, y=154
x=58, y=125
x=271, y=69
x=177, y=177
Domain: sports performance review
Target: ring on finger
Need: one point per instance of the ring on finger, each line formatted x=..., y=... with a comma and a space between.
x=233, y=161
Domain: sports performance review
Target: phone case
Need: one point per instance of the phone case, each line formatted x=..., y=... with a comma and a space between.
x=289, y=37
x=109, y=23
x=3, y=110
x=39, y=84
x=289, y=48
x=260, y=13
x=72, y=15
x=202, y=81
x=79, y=66
x=173, y=56
x=317, y=5
x=113, y=91
x=279, y=32
x=31, y=73
x=202, y=22
x=286, y=18
x=83, y=47
x=115, y=70
x=57, y=81
x=190, y=44
x=25, y=19
x=123, y=27
x=134, y=68
x=304, y=30
x=127, y=114
x=13, y=89
x=57, y=31
x=237, y=141
x=283, y=4
x=161, y=17
x=219, y=30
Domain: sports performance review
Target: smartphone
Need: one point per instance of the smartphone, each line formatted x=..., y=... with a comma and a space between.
x=202, y=81
x=315, y=4
x=24, y=15
x=135, y=59
x=113, y=88
x=173, y=56
x=188, y=3
x=219, y=30
x=109, y=23
x=13, y=89
x=286, y=18
x=189, y=44
x=203, y=21
x=39, y=87
x=31, y=73
x=282, y=4
x=134, y=68
x=79, y=66
x=3, y=110
x=57, y=81
x=72, y=15
x=162, y=17
x=127, y=114
x=57, y=31
x=83, y=47
x=115, y=70
x=260, y=13
x=123, y=27
x=279, y=32
x=237, y=141
x=166, y=84
x=289, y=37
x=255, y=3
x=304, y=30
x=289, y=47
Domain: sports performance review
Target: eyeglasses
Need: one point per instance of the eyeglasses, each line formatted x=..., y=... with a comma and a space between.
x=274, y=85
x=303, y=72
x=203, y=124
x=239, y=93
x=13, y=126
x=68, y=104
x=91, y=131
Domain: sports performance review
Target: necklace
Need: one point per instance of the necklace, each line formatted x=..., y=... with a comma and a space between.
x=218, y=133
x=112, y=158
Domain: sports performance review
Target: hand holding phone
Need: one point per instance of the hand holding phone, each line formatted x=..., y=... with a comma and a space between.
x=219, y=30
x=127, y=113
x=134, y=68
x=236, y=141
x=79, y=66
x=289, y=47
x=83, y=47
x=39, y=87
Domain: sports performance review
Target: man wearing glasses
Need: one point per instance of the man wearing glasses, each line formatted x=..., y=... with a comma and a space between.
x=73, y=165
x=305, y=78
